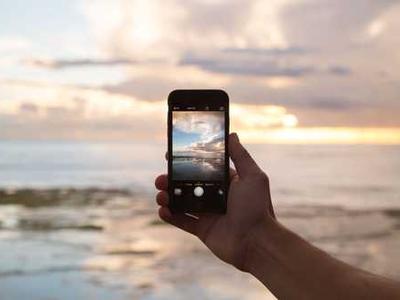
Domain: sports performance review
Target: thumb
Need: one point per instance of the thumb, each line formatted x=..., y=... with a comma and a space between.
x=242, y=160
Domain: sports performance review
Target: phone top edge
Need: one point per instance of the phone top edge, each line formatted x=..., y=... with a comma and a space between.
x=197, y=95
x=199, y=90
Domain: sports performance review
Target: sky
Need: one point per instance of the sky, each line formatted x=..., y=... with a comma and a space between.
x=296, y=71
x=198, y=133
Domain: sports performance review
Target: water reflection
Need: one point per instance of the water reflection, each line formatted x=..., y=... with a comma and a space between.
x=198, y=168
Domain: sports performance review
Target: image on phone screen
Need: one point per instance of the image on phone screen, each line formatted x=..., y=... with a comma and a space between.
x=198, y=145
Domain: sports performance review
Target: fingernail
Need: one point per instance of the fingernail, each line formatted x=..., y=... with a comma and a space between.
x=235, y=137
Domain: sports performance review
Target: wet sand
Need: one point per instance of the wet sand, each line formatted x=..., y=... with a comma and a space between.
x=110, y=244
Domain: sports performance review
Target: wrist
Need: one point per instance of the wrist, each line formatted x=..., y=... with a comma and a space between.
x=272, y=253
x=281, y=260
x=262, y=241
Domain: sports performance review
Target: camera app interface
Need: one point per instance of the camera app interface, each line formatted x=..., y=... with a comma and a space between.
x=198, y=153
x=199, y=144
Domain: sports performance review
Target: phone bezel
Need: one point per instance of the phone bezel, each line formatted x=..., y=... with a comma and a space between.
x=197, y=98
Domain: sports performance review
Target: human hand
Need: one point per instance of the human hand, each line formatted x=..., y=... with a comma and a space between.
x=249, y=206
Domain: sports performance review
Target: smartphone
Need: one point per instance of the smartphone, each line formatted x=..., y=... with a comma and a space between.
x=198, y=160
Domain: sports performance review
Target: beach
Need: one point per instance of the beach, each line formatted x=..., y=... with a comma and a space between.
x=102, y=241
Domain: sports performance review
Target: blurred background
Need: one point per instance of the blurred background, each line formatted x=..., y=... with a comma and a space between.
x=314, y=88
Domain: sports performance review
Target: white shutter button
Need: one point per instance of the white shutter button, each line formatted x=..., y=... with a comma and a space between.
x=198, y=191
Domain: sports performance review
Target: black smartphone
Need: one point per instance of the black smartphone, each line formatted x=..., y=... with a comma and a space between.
x=198, y=160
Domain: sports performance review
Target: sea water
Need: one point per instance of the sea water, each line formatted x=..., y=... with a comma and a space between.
x=359, y=176
x=105, y=244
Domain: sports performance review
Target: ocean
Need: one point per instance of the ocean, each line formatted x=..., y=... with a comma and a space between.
x=78, y=220
x=353, y=176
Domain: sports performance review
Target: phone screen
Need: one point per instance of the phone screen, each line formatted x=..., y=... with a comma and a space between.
x=198, y=159
x=198, y=148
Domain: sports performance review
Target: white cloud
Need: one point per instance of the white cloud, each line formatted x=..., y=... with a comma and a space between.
x=168, y=29
x=9, y=44
x=208, y=124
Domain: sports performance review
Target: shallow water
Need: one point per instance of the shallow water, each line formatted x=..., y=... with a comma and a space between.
x=106, y=242
x=119, y=249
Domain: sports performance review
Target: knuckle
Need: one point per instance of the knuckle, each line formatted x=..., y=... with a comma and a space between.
x=262, y=176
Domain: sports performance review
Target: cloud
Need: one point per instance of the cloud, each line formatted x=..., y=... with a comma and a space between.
x=241, y=63
x=145, y=87
x=268, y=62
x=249, y=39
x=331, y=38
x=207, y=124
x=331, y=24
x=168, y=29
x=29, y=108
x=214, y=145
x=339, y=70
x=330, y=103
x=268, y=51
x=64, y=112
x=61, y=63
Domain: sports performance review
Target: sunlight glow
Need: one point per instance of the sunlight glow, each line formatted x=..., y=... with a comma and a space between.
x=376, y=28
x=260, y=116
x=290, y=121
x=322, y=135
